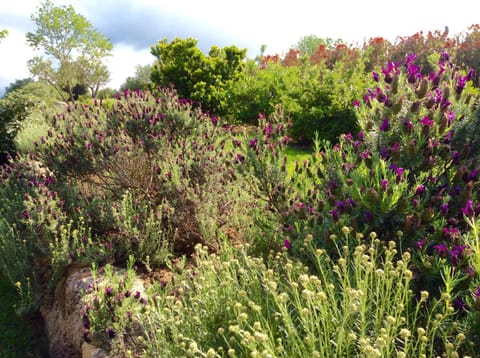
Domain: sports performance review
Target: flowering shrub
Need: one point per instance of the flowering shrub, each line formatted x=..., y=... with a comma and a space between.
x=236, y=304
x=150, y=174
x=401, y=176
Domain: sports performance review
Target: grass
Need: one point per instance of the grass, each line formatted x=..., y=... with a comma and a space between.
x=31, y=132
x=296, y=153
x=19, y=337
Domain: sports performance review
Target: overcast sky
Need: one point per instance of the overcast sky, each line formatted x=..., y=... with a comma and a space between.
x=135, y=25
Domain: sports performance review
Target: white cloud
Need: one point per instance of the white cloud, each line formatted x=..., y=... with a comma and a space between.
x=136, y=25
x=123, y=61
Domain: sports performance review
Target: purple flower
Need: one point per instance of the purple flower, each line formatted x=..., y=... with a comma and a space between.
x=413, y=72
x=356, y=103
x=441, y=249
x=457, y=253
x=468, y=210
x=410, y=58
x=470, y=74
x=385, y=126
x=450, y=233
x=444, y=209
x=365, y=154
x=110, y=333
x=335, y=215
x=459, y=304
x=399, y=172
x=474, y=174
x=376, y=76
x=415, y=202
x=444, y=57
x=461, y=82
x=287, y=244
x=239, y=159
x=384, y=184
x=408, y=125
x=214, y=120
x=253, y=143
x=26, y=214
x=427, y=122
x=108, y=291
x=420, y=189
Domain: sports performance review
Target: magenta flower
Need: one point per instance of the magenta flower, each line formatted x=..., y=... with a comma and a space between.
x=461, y=82
x=410, y=58
x=470, y=74
x=335, y=215
x=287, y=244
x=444, y=209
x=457, y=253
x=385, y=126
x=356, y=103
x=441, y=249
x=427, y=122
x=108, y=291
x=253, y=143
x=444, y=57
x=384, y=184
x=376, y=76
x=468, y=210
x=420, y=189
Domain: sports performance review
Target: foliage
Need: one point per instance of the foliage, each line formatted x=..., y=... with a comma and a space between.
x=3, y=33
x=205, y=79
x=235, y=304
x=15, y=107
x=308, y=45
x=315, y=98
x=141, y=80
x=74, y=49
x=151, y=173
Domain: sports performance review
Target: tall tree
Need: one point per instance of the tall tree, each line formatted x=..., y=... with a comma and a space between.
x=74, y=51
x=140, y=81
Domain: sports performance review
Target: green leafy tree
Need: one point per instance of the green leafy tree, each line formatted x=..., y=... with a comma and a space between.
x=3, y=33
x=309, y=44
x=73, y=50
x=141, y=80
x=205, y=79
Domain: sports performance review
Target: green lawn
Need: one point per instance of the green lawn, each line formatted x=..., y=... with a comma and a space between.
x=294, y=154
x=18, y=337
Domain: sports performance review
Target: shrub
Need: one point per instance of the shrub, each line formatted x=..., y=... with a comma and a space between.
x=235, y=304
x=162, y=165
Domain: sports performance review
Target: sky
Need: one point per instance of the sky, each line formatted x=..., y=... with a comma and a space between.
x=134, y=26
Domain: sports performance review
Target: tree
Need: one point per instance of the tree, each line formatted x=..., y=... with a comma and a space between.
x=308, y=45
x=73, y=49
x=205, y=79
x=140, y=81
x=3, y=33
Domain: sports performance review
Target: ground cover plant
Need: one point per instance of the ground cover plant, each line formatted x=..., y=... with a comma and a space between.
x=366, y=246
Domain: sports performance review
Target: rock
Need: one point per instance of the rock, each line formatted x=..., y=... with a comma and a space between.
x=89, y=351
x=63, y=317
